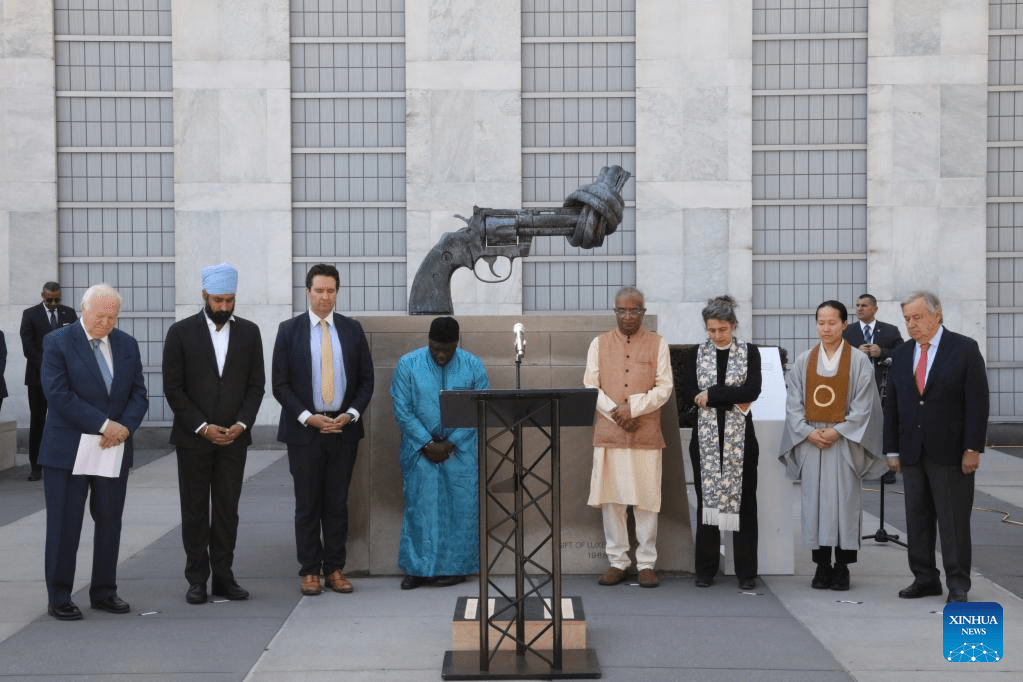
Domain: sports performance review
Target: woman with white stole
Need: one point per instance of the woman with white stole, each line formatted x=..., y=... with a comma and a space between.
x=722, y=378
x=832, y=440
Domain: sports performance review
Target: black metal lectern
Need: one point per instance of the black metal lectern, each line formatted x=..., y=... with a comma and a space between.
x=500, y=417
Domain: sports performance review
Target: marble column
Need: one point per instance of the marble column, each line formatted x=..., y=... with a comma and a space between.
x=28, y=175
x=463, y=131
x=926, y=156
x=694, y=234
x=232, y=157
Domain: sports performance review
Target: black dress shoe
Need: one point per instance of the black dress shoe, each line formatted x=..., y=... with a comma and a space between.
x=232, y=591
x=822, y=578
x=35, y=475
x=956, y=594
x=747, y=584
x=66, y=611
x=840, y=577
x=917, y=590
x=702, y=581
x=448, y=580
x=112, y=604
x=196, y=594
x=411, y=582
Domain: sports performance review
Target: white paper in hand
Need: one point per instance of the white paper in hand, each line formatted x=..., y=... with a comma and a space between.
x=92, y=460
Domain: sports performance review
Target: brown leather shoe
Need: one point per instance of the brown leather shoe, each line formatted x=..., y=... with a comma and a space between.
x=311, y=585
x=338, y=582
x=647, y=578
x=612, y=576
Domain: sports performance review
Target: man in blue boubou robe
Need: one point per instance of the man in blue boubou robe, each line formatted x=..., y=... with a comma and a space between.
x=439, y=534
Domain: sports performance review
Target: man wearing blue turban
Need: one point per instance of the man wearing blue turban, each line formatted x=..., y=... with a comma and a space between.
x=214, y=380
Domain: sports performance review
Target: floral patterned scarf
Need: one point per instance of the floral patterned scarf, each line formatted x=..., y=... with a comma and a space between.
x=721, y=467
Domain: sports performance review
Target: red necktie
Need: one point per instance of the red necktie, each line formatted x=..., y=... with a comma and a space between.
x=921, y=367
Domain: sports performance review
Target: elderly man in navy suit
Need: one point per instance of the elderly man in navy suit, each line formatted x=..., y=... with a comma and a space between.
x=36, y=322
x=934, y=429
x=322, y=376
x=214, y=381
x=92, y=378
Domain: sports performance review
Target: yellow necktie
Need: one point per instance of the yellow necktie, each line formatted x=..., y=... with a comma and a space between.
x=326, y=366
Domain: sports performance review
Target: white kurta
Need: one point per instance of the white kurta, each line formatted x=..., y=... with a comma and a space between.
x=623, y=475
x=830, y=487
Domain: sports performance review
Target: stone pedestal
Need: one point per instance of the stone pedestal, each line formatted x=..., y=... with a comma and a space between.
x=8, y=443
x=555, y=357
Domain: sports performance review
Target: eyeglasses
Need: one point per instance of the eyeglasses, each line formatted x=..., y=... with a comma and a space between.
x=52, y=299
x=626, y=312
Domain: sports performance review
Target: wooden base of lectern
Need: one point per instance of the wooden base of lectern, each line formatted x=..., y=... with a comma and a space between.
x=507, y=665
x=465, y=626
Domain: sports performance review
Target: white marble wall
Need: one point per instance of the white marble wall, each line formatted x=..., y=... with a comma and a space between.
x=463, y=131
x=28, y=173
x=232, y=156
x=693, y=159
x=926, y=156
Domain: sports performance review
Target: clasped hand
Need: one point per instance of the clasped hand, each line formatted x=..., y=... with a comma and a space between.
x=327, y=425
x=221, y=435
x=114, y=434
x=438, y=450
x=622, y=415
x=823, y=439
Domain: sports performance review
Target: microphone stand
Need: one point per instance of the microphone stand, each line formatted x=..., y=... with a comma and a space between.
x=881, y=535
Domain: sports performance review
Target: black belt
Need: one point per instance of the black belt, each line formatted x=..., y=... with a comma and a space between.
x=332, y=415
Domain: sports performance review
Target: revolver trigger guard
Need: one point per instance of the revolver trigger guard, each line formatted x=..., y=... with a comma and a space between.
x=491, y=261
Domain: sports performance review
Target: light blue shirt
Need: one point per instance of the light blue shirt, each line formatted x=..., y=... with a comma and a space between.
x=315, y=344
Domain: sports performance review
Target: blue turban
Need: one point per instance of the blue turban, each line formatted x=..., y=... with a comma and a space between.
x=220, y=279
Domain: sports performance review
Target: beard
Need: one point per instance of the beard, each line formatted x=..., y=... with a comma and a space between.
x=221, y=317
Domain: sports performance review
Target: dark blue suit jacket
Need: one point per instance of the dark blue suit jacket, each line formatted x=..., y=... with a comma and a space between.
x=292, y=376
x=77, y=397
x=950, y=416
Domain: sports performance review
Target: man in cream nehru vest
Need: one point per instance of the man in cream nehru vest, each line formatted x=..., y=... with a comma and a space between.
x=630, y=368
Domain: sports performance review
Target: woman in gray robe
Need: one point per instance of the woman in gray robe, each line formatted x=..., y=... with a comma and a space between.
x=831, y=448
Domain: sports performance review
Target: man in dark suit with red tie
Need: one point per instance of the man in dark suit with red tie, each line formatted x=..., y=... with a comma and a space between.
x=934, y=430
x=322, y=375
x=92, y=378
x=214, y=381
x=37, y=322
x=872, y=336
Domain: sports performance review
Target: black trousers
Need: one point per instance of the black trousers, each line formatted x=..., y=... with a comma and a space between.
x=744, y=541
x=939, y=501
x=65, y=508
x=210, y=478
x=822, y=555
x=37, y=420
x=322, y=472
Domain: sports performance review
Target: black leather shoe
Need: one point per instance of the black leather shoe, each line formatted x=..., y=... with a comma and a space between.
x=840, y=577
x=112, y=604
x=448, y=580
x=822, y=578
x=196, y=594
x=955, y=594
x=702, y=581
x=917, y=590
x=747, y=584
x=35, y=474
x=232, y=591
x=411, y=582
x=66, y=611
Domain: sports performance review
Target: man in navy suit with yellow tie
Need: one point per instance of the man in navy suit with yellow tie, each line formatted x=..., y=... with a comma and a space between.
x=322, y=376
x=92, y=378
x=935, y=422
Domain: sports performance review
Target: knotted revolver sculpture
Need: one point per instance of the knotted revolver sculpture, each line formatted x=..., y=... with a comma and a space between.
x=588, y=215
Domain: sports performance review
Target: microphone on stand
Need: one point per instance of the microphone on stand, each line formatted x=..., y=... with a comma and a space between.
x=520, y=340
